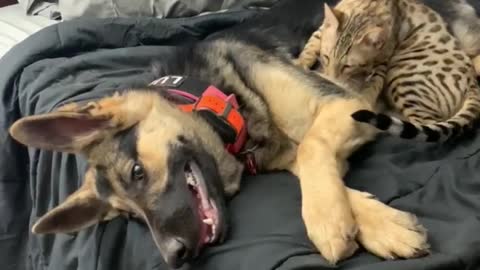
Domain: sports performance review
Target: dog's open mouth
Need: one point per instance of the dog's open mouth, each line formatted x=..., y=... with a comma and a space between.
x=207, y=209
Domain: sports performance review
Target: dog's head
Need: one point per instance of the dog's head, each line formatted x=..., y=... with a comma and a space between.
x=145, y=157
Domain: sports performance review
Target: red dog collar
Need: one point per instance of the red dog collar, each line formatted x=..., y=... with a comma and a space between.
x=225, y=108
x=220, y=110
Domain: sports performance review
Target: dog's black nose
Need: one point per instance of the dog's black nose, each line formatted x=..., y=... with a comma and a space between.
x=177, y=252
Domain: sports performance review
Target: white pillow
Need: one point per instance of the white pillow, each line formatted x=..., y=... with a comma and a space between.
x=15, y=26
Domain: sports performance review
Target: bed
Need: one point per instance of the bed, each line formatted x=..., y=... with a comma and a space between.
x=82, y=59
x=15, y=26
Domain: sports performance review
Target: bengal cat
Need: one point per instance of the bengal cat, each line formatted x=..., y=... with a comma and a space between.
x=429, y=78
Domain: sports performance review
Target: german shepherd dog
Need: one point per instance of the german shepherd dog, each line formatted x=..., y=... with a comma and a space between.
x=170, y=167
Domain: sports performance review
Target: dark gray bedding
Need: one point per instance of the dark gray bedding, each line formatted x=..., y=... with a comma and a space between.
x=85, y=59
x=69, y=9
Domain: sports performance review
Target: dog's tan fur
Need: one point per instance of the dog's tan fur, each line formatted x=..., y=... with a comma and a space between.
x=312, y=137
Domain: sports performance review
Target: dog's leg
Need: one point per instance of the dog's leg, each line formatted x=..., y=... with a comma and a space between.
x=385, y=231
x=325, y=206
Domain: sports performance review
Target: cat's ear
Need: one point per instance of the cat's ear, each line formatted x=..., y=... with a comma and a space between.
x=375, y=37
x=332, y=18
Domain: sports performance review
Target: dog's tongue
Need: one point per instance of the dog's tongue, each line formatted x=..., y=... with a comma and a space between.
x=205, y=229
x=204, y=234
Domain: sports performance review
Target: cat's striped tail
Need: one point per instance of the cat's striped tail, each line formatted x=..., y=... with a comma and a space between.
x=435, y=132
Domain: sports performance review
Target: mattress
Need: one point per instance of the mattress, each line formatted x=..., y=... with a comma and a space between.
x=15, y=26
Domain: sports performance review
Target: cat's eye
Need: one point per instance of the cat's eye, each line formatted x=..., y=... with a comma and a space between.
x=346, y=67
x=325, y=59
x=138, y=173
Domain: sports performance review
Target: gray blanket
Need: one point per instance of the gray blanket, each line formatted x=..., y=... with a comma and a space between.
x=69, y=9
x=86, y=59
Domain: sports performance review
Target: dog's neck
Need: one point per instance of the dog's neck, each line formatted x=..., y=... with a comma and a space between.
x=219, y=110
x=266, y=146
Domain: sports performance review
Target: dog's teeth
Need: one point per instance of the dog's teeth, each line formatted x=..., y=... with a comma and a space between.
x=208, y=221
x=191, y=180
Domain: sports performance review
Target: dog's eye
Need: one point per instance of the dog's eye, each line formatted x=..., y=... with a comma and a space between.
x=137, y=173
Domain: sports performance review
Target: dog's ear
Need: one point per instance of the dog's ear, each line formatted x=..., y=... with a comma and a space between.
x=59, y=131
x=81, y=209
x=73, y=127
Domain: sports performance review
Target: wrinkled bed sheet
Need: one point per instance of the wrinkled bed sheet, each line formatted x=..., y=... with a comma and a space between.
x=69, y=9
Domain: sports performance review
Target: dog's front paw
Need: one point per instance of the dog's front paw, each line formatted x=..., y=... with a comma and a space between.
x=390, y=233
x=332, y=231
